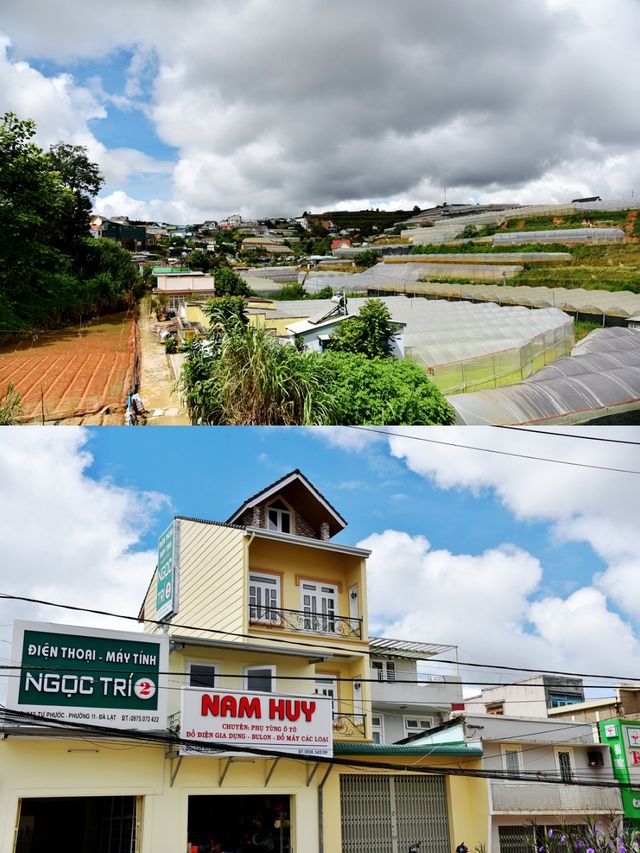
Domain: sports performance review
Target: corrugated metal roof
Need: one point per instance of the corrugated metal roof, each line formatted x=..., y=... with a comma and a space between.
x=346, y=748
x=407, y=648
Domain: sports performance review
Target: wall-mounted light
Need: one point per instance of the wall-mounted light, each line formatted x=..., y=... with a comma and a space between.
x=353, y=593
x=356, y=685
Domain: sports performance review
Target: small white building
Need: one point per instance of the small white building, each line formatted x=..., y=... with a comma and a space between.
x=315, y=334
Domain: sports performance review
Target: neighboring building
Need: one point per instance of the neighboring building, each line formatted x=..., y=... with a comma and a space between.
x=315, y=333
x=545, y=775
x=625, y=703
x=405, y=700
x=532, y=697
x=623, y=739
x=129, y=236
x=262, y=611
x=343, y=243
x=178, y=286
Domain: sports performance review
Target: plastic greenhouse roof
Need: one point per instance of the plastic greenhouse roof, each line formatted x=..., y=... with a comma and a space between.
x=600, y=378
x=439, y=332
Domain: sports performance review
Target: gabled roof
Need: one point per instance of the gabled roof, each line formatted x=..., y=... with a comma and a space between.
x=297, y=490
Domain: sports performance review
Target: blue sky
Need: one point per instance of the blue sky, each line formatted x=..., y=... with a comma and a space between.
x=214, y=471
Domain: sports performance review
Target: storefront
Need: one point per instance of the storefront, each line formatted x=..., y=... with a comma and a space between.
x=81, y=824
x=244, y=823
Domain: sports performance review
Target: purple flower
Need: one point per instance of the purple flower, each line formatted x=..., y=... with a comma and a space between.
x=550, y=833
x=563, y=838
x=590, y=850
x=540, y=849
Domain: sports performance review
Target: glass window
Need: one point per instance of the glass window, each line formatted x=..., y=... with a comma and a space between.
x=202, y=675
x=259, y=679
x=377, y=731
x=512, y=761
x=413, y=725
x=264, y=598
x=564, y=765
x=328, y=687
x=279, y=517
x=384, y=670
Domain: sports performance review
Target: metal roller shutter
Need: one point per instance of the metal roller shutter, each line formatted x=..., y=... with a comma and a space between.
x=387, y=814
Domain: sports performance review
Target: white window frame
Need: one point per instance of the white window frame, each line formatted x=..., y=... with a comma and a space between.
x=199, y=662
x=381, y=668
x=269, y=582
x=268, y=666
x=572, y=762
x=411, y=731
x=377, y=728
x=332, y=682
x=279, y=514
x=317, y=622
x=511, y=748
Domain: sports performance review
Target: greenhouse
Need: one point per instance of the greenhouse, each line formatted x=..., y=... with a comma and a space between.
x=599, y=382
x=560, y=235
x=464, y=346
x=603, y=305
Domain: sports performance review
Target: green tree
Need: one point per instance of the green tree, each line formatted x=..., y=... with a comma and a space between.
x=367, y=258
x=252, y=379
x=229, y=283
x=32, y=200
x=83, y=179
x=384, y=391
x=370, y=332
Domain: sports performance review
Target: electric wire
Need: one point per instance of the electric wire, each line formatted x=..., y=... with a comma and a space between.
x=297, y=644
x=171, y=739
x=527, y=456
x=575, y=435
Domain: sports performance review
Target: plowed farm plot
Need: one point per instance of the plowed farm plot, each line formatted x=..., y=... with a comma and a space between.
x=74, y=371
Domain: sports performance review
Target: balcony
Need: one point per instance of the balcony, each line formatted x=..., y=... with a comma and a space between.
x=427, y=692
x=550, y=798
x=306, y=622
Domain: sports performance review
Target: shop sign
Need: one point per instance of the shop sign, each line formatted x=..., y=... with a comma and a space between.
x=301, y=725
x=87, y=675
x=633, y=737
x=168, y=572
x=610, y=731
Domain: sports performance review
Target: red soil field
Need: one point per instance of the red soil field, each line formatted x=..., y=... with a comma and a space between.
x=74, y=371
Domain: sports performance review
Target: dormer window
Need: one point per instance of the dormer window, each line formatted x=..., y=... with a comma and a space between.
x=279, y=517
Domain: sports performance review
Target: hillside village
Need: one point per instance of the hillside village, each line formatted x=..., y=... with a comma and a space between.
x=266, y=715
x=518, y=314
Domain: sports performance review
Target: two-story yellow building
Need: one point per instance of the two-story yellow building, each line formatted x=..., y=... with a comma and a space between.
x=266, y=606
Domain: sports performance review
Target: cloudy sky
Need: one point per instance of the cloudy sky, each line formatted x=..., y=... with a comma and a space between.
x=197, y=110
x=517, y=561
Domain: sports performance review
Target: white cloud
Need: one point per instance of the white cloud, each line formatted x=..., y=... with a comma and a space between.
x=274, y=109
x=487, y=605
x=66, y=536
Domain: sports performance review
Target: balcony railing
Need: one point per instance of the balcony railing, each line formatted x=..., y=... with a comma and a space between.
x=549, y=798
x=306, y=622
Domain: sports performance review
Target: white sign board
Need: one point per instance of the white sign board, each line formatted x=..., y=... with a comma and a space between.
x=86, y=675
x=301, y=725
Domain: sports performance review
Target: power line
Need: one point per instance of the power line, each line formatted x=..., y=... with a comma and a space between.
x=172, y=739
x=575, y=435
x=318, y=649
x=497, y=452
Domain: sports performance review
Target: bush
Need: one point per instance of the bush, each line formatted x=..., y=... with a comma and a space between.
x=229, y=283
x=385, y=391
x=10, y=408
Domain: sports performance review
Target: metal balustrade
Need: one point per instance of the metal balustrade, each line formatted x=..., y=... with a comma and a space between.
x=306, y=621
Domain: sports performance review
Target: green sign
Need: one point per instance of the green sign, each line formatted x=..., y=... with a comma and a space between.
x=103, y=677
x=167, y=573
x=623, y=738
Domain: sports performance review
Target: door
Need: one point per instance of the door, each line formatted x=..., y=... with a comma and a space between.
x=319, y=607
x=264, y=598
x=387, y=814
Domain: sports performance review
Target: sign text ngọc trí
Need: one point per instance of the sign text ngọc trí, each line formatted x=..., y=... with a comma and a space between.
x=167, y=572
x=81, y=674
x=300, y=725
